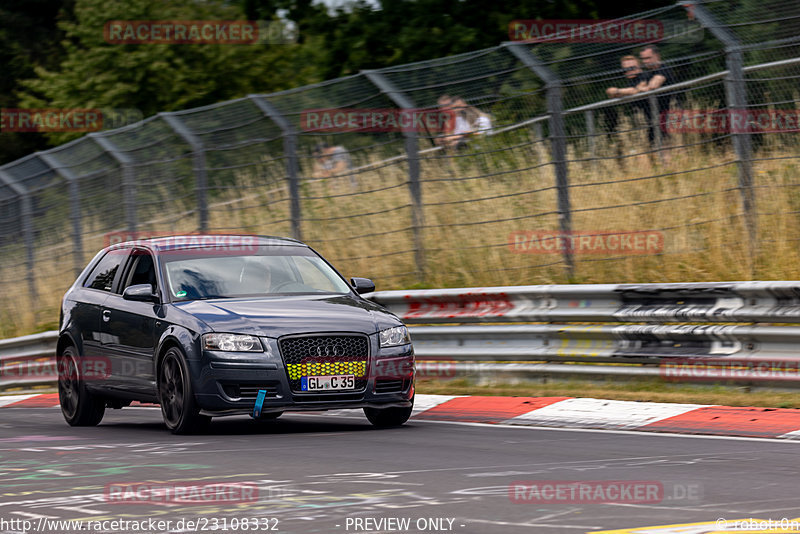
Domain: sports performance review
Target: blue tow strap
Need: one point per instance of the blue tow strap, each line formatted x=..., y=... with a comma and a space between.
x=259, y=403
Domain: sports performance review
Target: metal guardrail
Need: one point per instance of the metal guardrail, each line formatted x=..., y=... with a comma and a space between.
x=28, y=361
x=608, y=348
x=724, y=351
x=717, y=302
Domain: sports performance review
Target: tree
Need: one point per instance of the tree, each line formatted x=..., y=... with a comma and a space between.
x=159, y=77
x=29, y=36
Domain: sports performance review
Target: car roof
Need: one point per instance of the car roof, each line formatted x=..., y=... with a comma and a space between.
x=189, y=241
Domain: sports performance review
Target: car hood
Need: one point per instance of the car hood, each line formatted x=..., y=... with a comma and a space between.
x=278, y=316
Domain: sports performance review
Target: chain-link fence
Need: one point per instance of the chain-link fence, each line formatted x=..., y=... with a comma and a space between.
x=566, y=185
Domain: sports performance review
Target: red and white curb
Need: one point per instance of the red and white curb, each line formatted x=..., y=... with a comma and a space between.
x=569, y=412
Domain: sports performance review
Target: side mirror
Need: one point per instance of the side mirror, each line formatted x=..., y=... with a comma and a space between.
x=362, y=285
x=140, y=293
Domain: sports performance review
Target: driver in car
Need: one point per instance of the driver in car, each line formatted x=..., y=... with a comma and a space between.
x=255, y=278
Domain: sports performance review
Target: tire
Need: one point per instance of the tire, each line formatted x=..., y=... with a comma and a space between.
x=388, y=417
x=78, y=406
x=178, y=407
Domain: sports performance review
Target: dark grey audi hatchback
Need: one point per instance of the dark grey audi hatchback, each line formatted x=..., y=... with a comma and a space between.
x=212, y=325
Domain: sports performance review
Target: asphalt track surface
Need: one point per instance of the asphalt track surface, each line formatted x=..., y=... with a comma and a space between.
x=318, y=473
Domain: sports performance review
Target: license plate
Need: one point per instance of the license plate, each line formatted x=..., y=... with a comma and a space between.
x=327, y=383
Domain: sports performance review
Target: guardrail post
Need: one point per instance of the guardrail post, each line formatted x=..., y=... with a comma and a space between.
x=199, y=163
x=736, y=97
x=290, y=152
x=26, y=212
x=74, y=207
x=128, y=183
x=558, y=141
x=402, y=101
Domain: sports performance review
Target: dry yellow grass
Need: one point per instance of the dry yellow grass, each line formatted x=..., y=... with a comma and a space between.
x=473, y=201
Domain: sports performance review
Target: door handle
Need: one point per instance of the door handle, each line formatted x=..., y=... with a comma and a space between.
x=106, y=315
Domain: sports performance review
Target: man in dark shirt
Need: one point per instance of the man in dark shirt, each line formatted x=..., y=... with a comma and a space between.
x=633, y=74
x=658, y=75
x=635, y=78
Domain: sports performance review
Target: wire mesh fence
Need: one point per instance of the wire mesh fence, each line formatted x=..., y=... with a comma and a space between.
x=565, y=181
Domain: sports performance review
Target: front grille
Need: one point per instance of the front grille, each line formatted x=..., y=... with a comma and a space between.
x=248, y=391
x=325, y=355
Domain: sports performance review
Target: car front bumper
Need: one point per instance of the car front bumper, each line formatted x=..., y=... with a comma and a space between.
x=228, y=384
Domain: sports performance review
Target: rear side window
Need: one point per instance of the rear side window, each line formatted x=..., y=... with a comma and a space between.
x=102, y=276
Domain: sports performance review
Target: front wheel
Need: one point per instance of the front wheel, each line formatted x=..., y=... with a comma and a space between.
x=178, y=407
x=388, y=417
x=79, y=407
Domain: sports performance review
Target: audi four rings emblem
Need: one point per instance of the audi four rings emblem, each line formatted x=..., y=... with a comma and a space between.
x=330, y=350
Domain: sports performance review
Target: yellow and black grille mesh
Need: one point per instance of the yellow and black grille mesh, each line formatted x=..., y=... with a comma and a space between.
x=298, y=370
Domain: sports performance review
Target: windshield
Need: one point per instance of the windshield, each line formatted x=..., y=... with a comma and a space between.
x=206, y=274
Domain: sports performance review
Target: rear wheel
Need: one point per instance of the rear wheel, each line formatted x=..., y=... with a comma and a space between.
x=388, y=417
x=79, y=407
x=178, y=407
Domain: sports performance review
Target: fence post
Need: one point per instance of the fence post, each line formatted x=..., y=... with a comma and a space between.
x=128, y=183
x=199, y=163
x=402, y=101
x=74, y=207
x=558, y=141
x=26, y=212
x=736, y=98
x=290, y=152
x=590, y=131
x=655, y=122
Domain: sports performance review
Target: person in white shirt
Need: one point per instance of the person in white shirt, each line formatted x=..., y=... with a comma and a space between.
x=467, y=121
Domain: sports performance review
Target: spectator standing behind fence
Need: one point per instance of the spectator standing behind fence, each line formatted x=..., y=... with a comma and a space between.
x=635, y=78
x=658, y=75
x=479, y=122
x=330, y=161
x=466, y=121
x=458, y=128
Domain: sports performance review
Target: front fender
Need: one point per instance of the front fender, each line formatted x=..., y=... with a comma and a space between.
x=185, y=339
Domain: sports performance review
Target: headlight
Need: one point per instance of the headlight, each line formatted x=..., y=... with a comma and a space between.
x=392, y=337
x=232, y=343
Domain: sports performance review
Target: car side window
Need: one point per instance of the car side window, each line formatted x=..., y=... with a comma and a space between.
x=102, y=276
x=142, y=271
